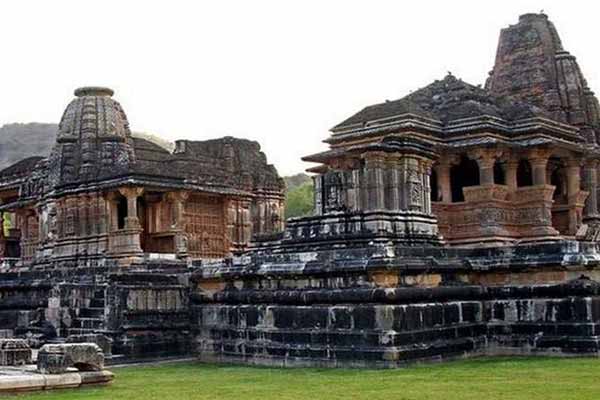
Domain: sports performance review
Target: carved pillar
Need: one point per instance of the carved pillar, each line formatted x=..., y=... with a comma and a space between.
x=426, y=168
x=131, y=194
x=394, y=187
x=512, y=165
x=113, y=217
x=539, y=160
x=318, y=194
x=443, y=173
x=178, y=200
x=486, y=158
x=590, y=173
x=375, y=182
x=576, y=202
x=486, y=169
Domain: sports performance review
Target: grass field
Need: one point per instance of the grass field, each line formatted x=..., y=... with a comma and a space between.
x=482, y=379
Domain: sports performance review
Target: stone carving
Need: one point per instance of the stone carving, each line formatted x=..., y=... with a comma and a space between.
x=14, y=352
x=104, y=342
x=58, y=358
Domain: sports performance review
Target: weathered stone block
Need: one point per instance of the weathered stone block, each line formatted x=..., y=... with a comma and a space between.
x=14, y=352
x=57, y=358
x=104, y=342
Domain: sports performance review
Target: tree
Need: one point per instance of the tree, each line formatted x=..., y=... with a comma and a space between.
x=299, y=201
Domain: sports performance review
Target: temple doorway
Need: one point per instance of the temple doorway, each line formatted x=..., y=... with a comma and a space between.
x=466, y=173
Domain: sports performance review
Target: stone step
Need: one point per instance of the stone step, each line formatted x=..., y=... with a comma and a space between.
x=87, y=323
x=91, y=312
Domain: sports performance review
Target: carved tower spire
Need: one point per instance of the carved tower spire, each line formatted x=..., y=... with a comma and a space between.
x=531, y=65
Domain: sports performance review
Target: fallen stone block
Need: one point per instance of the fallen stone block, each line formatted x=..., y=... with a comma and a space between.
x=14, y=352
x=104, y=342
x=58, y=358
x=96, y=377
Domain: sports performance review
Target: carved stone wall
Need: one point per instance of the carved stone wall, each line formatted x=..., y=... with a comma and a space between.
x=205, y=227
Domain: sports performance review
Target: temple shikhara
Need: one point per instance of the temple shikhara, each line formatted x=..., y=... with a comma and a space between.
x=458, y=220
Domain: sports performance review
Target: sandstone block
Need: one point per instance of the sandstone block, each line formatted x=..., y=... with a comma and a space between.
x=58, y=358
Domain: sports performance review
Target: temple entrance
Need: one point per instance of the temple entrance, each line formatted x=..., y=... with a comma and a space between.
x=462, y=175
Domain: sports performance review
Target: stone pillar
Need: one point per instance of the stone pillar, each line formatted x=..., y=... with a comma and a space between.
x=590, y=173
x=443, y=173
x=318, y=194
x=131, y=194
x=486, y=169
x=426, y=167
x=486, y=158
x=178, y=200
x=112, y=210
x=375, y=181
x=576, y=201
x=539, y=162
x=512, y=165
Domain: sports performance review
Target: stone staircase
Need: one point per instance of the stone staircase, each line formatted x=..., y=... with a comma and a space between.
x=90, y=319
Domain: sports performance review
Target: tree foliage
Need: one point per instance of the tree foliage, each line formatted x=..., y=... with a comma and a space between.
x=299, y=201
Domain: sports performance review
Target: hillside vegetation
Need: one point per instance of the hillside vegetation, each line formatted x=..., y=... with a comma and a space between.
x=299, y=199
x=19, y=141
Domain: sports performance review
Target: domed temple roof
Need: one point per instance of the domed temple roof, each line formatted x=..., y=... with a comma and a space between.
x=93, y=114
x=93, y=141
x=447, y=100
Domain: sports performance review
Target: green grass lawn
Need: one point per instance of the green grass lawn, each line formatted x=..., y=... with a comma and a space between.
x=481, y=379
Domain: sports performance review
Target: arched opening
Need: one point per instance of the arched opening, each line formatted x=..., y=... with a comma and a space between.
x=433, y=183
x=121, y=212
x=524, y=175
x=462, y=175
x=500, y=173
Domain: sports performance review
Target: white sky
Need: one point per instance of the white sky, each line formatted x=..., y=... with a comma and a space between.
x=279, y=72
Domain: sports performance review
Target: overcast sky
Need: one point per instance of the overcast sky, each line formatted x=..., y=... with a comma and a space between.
x=279, y=72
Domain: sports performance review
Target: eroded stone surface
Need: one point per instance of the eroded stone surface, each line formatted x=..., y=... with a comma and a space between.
x=58, y=358
x=14, y=352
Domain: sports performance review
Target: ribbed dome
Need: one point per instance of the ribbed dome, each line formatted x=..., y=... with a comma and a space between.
x=93, y=140
x=93, y=114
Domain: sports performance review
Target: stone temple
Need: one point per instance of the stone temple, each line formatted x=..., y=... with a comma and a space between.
x=459, y=220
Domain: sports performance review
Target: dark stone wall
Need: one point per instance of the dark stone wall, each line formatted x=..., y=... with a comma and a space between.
x=388, y=327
